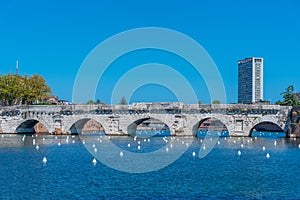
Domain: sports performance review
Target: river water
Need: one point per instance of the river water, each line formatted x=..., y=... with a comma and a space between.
x=223, y=174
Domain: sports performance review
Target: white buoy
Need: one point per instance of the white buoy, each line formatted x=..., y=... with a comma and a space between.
x=145, y=140
x=95, y=150
x=203, y=147
x=56, y=137
x=167, y=149
x=121, y=154
x=94, y=145
x=22, y=138
x=148, y=140
x=139, y=142
x=239, y=153
x=73, y=141
x=94, y=161
x=171, y=145
x=83, y=142
x=44, y=160
x=299, y=146
x=43, y=139
x=182, y=142
x=275, y=143
x=59, y=144
x=219, y=142
x=37, y=147
x=264, y=148
x=134, y=138
x=128, y=144
x=33, y=141
x=242, y=145
x=139, y=147
x=268, y=155
x=194, y=154
x=100, y=141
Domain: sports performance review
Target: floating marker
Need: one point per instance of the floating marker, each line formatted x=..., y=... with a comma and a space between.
x=218, y=142
x=171, y=145
x=94, y=145
x=139, y=142
x=299, y=146
x=33, y=141
x=94, y=161
x=203, y=147
x=139, y=147
x=44, y=160
x=95, y=150
x=121, y=154
x=22, y=138
x=239, y=153
x=37, y=147
x=128, y=145
x=148, y=140
x=242, y=145
x=268, y=155
x=59, y=144
x=275, y=143
x=194, y=154
x=167, y=149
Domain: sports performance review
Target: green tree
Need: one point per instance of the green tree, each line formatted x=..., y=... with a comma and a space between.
x=98, y=101
x=18, y=90
x=123, y=101
x=90, y=102
x=289, y=98
x=216, y=102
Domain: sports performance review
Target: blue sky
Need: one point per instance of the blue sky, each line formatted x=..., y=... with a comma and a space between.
x=52, y=38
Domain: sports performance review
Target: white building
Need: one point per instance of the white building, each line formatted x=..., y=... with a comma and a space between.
x=250, y=80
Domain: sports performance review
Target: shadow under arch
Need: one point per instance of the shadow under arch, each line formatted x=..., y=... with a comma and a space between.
x=212, y=126
x=148, y=127
x=32, y=126
x=267, y=129
x=86, y=125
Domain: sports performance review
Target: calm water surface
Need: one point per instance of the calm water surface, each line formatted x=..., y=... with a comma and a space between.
x=222, y=174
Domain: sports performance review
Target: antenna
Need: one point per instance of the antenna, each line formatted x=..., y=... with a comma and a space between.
x=17, y=67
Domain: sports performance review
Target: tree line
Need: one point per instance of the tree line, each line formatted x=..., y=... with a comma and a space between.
x=22, y=90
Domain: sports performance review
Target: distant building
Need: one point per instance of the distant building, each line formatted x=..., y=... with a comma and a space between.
x=51, y=99
x=250, y=80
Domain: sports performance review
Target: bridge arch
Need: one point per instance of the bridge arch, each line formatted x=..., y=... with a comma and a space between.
x=132, y=128
x=77, y=126
x=269, y=121
x=29, y=126
x=211, y=123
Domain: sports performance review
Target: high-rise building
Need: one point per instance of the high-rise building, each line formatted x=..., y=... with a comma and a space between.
x=250, y=80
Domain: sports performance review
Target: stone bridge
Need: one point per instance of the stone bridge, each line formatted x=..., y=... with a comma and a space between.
x=182, y=119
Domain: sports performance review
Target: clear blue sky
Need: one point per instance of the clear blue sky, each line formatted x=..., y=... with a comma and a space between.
x=52, y=38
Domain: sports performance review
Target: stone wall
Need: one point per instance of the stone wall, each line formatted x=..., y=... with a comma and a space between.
x=294, y=129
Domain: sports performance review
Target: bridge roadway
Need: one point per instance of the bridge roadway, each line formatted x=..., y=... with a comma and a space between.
x=182, y=119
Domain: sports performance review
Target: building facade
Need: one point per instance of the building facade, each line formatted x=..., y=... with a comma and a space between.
x=250, y=80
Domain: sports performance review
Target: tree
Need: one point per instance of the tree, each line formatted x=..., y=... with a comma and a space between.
x=216, y=102
x=98, y=101
x=289, y=98
x=20, y=90
x=90, y=102
x=123, y=101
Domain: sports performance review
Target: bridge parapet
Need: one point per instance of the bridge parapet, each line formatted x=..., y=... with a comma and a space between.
x=238, y=118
